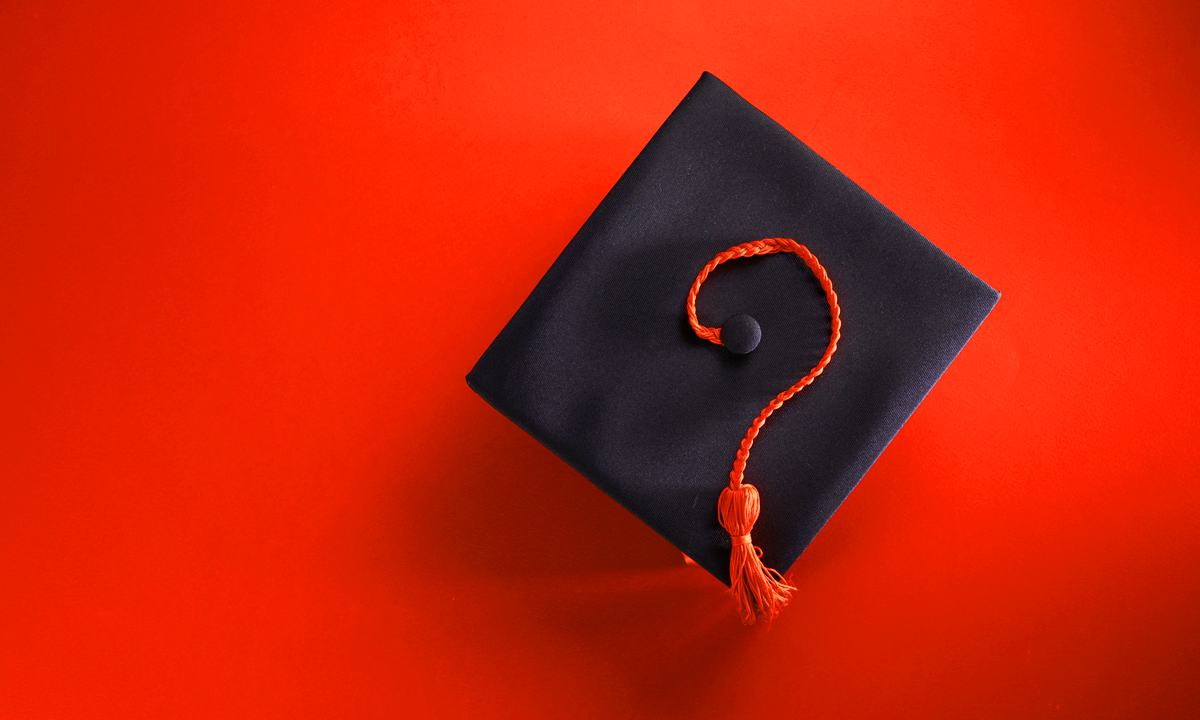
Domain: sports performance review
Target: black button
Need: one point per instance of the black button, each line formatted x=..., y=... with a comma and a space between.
x=740, y=334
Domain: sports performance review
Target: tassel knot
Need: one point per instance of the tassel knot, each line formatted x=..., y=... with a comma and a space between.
x=760, y=592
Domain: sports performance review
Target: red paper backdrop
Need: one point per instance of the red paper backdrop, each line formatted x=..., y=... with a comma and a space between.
x=250, y=250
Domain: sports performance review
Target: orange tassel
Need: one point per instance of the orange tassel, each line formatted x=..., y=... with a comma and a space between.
x=760, y=592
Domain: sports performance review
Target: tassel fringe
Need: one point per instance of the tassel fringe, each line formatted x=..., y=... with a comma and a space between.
x=760, y=592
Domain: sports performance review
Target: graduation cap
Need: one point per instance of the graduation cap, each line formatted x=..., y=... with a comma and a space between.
x=737, y=321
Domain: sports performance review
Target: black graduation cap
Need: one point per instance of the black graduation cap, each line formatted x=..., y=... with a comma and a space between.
x=603, y=366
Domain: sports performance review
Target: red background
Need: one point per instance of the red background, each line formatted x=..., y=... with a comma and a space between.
x=249, y=254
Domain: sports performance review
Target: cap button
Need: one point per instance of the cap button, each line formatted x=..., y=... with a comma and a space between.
x=740, y=334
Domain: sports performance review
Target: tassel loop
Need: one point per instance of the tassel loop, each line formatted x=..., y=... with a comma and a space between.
x=760, y=592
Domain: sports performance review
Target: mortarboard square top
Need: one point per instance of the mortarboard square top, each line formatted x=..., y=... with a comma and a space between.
x=601, y=365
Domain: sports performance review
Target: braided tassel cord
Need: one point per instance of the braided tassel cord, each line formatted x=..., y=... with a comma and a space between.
x=760, y=592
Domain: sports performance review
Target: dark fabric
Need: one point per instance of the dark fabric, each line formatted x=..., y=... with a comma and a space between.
x=599, y=363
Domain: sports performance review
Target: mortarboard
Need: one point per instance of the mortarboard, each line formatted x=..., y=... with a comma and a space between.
x=616, y=361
